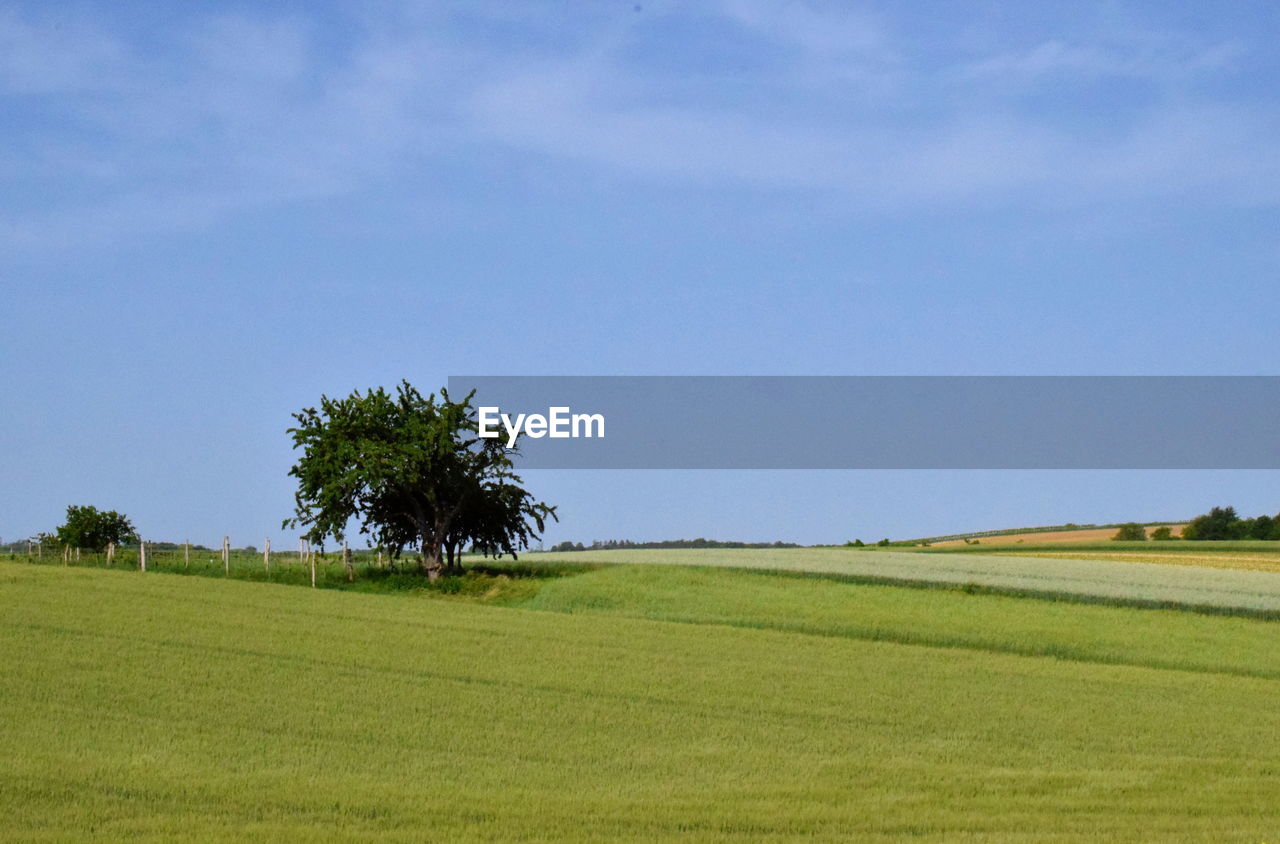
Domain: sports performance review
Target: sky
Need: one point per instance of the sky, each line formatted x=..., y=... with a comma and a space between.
x=213, y=213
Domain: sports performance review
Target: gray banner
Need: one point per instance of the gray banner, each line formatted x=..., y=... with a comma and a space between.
x=887, y=422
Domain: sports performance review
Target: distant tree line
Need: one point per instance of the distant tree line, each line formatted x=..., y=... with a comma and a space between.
x=1225, y=523
x=1218, y=524
x=614, y=544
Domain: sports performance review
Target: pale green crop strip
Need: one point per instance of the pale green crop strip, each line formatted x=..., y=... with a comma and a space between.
x=1192, y=586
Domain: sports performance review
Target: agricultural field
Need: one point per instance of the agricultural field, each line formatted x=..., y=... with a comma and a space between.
x=1246, y=554
x=1047, y=574
x=637, y=701
x=1050, y=536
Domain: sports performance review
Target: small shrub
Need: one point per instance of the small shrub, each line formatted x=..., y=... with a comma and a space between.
x=1130, y=532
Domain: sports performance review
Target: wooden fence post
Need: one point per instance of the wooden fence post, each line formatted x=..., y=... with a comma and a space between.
x=186, y=553
x=77, y=556
x=142, y=555
x=311, y=555
x=266, y=555
x=226, y=554
x=346, y=562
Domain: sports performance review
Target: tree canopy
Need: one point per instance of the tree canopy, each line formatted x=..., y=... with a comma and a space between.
x=93, y=529
x=414, y=472
x=1129, y=532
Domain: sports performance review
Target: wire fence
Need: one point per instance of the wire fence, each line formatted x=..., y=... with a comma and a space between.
x=305, y=565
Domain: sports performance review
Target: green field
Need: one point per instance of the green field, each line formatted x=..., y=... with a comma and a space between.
x=631, y=701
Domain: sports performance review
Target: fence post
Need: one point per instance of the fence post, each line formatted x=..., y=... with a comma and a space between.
x=311, y=555
x=142, y=554
x=346, y=562
x=186, y=553
x=226, y=554
x=266, y=555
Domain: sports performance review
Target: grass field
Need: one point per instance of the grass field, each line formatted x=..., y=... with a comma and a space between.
x=635, y=701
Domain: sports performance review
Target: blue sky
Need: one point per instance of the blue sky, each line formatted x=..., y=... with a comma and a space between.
x=212, y=213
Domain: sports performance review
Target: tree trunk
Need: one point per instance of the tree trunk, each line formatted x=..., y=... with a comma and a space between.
x=433, y=547
x=454, y=556
x=431, y=564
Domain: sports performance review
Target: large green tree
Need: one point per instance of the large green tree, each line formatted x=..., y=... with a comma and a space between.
x=93, y=529
x=414, y=472
x=1218, y=523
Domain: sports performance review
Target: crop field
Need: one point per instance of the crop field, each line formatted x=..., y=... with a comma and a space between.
x=629, y=701
x=1102, y=577
x=1250, y=555
x=1053, y=536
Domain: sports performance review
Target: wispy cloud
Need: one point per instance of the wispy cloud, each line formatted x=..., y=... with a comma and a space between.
x=1151, y=59
x=107, y=138
x=56, y=56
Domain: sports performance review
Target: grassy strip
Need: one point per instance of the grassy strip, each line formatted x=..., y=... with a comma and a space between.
x=995, y=620
x=1051, y=595
x=487, y=581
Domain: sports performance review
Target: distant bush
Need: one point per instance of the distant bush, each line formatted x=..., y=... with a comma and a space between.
x=1130, y=532
x=90, y=528
x=1162, y=533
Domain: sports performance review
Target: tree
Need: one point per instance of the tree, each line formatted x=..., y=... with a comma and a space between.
x=1218, y=523
x=415, y=473
x=1262, y=527
x=1130, y=532
x=93, y=529
x=1162, y=533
